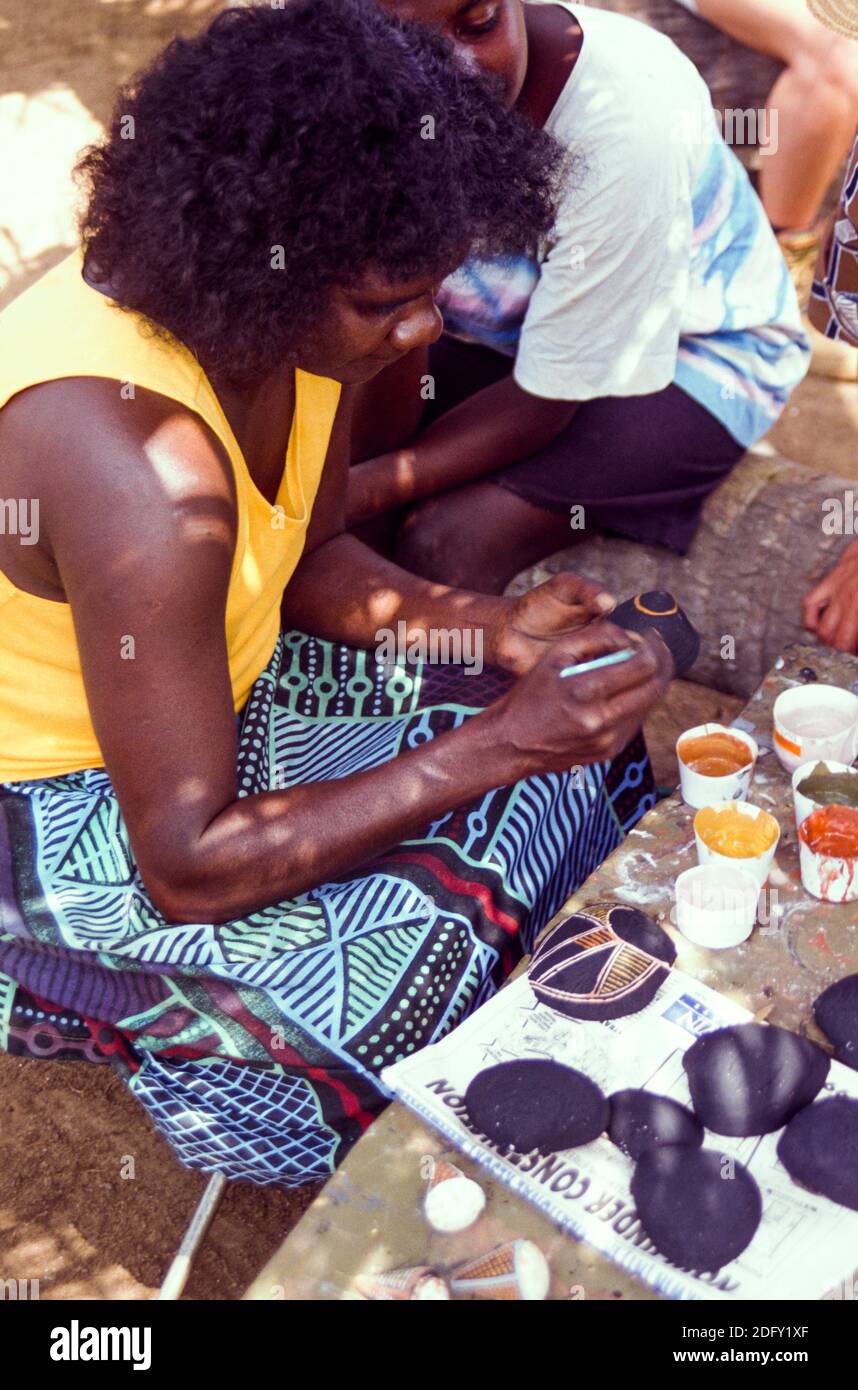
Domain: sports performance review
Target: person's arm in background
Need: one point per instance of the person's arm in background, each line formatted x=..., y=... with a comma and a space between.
x=495, y=427
x=830, y=609
x=815, y=99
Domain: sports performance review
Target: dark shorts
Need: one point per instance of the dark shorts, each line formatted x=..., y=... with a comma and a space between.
x=641, y=466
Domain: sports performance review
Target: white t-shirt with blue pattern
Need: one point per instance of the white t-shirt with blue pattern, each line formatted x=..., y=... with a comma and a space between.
x=663, y=266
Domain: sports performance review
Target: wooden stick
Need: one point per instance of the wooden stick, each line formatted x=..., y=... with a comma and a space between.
x=177, y=1275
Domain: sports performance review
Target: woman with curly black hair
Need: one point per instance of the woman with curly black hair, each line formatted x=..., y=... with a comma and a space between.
x=252, y=916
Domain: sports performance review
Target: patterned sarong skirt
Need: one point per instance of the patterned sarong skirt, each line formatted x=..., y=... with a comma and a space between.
x=256, y=1045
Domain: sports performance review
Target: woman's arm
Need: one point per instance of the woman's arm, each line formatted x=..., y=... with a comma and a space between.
x=140, y=517
x=347, y=592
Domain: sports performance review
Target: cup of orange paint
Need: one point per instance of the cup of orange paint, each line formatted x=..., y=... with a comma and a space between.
x=828, y=853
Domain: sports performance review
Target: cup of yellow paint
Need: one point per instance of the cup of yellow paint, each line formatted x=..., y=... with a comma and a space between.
x=815, y=722
x=737, y=833
x=715, y=764
x=828, y=853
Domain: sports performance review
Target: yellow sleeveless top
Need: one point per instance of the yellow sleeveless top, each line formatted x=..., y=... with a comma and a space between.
x=61, y=327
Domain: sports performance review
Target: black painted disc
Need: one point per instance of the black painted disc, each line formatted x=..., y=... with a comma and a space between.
x=536, y=1104
x=819, y=1149
x=836, y=1012
x=752, y=1078
x=698, y=1208
x=640, y=1120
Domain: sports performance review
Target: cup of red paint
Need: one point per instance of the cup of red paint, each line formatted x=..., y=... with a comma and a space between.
x=828, y=853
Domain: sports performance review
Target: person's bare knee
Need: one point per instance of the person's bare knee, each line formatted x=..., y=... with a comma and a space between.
x=431, y=542
x=478, y=537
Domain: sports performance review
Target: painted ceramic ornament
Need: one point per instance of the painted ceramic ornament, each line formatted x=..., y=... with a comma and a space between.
x=453, y=1201
x=836, y=1012
x=515, y=1272
x=819, y=1149
x=605, y=961
x=409, y=1284
x=641, y=1120
x=660, y=610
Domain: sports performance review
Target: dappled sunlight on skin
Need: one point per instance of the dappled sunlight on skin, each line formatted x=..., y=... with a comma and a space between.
x=203, y=521
x=202, y=517
x=382, y=606
x=404, y=461
x=191, y=791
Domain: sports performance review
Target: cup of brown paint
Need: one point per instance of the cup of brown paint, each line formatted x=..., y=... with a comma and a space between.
x=715, y=764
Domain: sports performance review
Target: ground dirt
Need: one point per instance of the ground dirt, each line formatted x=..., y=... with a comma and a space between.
x=67, y=1215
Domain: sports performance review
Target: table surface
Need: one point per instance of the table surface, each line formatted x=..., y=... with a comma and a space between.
x=368, y=1218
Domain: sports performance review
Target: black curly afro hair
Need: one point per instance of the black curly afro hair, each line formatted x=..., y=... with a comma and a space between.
x=303, y=127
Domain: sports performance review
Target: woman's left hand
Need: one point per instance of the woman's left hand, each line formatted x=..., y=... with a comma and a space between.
x=563, y=604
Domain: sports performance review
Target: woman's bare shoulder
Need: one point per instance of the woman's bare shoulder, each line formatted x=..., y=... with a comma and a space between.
x=108, y=468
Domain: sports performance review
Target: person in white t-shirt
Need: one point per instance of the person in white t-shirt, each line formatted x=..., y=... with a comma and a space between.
x=613, y=378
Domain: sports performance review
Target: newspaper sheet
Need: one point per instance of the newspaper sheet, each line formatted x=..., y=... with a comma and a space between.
x=804, y=1245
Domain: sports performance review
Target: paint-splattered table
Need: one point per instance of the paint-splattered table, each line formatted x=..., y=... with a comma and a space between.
x=367, y=1218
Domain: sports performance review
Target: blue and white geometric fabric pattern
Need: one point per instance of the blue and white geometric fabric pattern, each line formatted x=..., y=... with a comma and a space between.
x=250, y=1124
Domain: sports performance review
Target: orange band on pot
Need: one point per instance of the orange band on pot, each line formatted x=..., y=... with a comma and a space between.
x=794, y=748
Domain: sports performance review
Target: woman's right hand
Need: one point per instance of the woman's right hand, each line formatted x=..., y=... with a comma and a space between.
x=546, y=723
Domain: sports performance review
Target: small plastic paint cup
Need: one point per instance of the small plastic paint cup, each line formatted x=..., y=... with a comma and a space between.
x=815, y=723
x=804, y=805
x=701, y=789
x=758, y=865
x=829, y=877
x=716, y=905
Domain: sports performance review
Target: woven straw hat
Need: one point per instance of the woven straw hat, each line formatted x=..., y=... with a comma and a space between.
x=839, y=15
